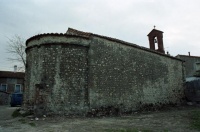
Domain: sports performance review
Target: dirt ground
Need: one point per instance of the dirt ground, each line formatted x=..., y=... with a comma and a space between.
x=173, y=119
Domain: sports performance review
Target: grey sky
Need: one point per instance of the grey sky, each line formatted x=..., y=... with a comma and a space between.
x=128, y=20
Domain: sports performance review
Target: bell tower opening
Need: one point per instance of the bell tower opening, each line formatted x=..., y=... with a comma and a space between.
x=156, y=43
x=156, y=40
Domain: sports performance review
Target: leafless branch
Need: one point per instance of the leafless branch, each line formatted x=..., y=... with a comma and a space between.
x=16, y=47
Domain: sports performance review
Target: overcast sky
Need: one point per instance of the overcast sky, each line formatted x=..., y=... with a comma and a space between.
x=128, y=20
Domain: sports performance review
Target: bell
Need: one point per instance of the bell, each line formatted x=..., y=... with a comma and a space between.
x=155, y=40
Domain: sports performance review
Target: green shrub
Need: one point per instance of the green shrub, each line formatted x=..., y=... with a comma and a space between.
x=32, y=124
x=195, y=117
x=22, y=121
x=26, y=114
x=16, y=113
x=127, y=130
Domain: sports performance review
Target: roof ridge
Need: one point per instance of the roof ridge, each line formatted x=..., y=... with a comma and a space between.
x=12, y=74
x=88, y=34
x=12, y=71
x=78, y=32
x=53, y=34
x=188, y=55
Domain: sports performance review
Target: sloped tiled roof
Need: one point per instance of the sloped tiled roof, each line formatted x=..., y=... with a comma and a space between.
x=76, y=32
x=10, y=74
x=53, y=34
x=72, y=31
x=154, y=30
x=189, y=56
x=87, y=34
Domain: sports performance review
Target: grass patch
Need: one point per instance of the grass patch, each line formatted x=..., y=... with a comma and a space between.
x=23, y=121
x=195, y=117
x=165, y=131
x=127, y=130
x=32, y=124
x=26, y=114
x=131, y=130
x=16, y=113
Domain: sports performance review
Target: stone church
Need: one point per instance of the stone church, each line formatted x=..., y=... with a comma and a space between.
x=77, y=72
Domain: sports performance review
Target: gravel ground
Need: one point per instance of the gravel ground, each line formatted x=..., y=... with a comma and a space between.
x=173, y=119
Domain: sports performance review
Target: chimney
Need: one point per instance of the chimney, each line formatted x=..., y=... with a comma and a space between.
x=189, y=53
x=15, y=68
x=156, y=37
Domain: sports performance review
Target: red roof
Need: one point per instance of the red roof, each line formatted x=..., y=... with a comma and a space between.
x=155, y=30
x=10, y=74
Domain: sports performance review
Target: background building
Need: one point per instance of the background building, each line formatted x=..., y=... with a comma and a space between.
x=10, y=82
x=192, y=65
x=192, y=68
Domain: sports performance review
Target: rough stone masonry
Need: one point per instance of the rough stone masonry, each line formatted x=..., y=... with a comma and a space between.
x=78, y=72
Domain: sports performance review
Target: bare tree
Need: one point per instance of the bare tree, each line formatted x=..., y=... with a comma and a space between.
x=16, y=47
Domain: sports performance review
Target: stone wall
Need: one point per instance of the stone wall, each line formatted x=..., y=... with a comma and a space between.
x=129, y=78
x=70, y=74
x=59, y=70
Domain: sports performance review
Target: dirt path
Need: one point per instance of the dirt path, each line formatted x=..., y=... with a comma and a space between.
x=6, y=112
x=171, y=120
